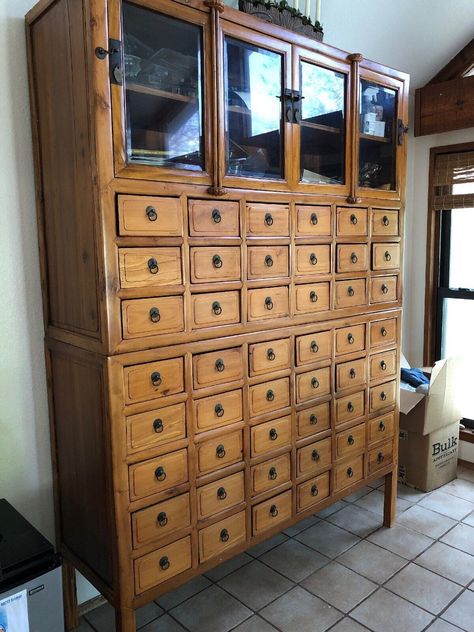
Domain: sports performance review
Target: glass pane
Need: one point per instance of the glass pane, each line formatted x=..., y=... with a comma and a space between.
x=461, y=272
x=163, y=78
x=378, y=128
x=253, y=90
x=322, y=124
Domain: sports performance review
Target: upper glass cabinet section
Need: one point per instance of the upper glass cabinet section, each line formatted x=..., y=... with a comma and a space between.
x=163, y=90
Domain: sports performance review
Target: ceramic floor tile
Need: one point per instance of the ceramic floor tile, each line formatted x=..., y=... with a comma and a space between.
x=469, y=519
x=377, y=483
x=299, y=611
x=102, y=619
x=461, y=488
x=228, y=567
x=83, y=626
x=363, y=491
x=461, y=612
x=327, y=539
x=255, y=624
x=339, y=586
x=301, y=526
x=402, y=541
x=461, y=537
x=447, y=504
x=425, y=521
x=410, y=493
x=163, y=624
x=372, y=562
x=147, y=613
x=324, y=513
x=466, y=475
x=375, y=501
x=448, y=562
x=356, y=520
x=348, y=625
x=385, y=612
x=442, y=626
x=294, y=560
x=255, y=584
x=175, y=597
x=266, y=545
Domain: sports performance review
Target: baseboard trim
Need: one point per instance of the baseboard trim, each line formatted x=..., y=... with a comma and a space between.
x=91, y=604
x=467, y=464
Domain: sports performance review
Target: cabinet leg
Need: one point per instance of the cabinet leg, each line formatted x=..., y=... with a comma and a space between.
x=71, y=611
x=125, y=620
x=390, y=500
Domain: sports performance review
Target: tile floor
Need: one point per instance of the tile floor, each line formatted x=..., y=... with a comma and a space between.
x=338, y=571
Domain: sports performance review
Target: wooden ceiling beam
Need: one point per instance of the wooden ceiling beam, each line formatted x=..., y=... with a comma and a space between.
x=458, y=65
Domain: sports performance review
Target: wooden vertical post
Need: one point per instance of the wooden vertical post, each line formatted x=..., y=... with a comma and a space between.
x=71, y=612
x=390, y=500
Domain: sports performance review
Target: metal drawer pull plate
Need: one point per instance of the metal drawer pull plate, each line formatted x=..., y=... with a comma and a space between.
x=158, y=426
x=153, y=266
x=151, y=213
x=220, y=451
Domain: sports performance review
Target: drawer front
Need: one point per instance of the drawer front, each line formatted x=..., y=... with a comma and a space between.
x=219, y=452
x=380, y=457
x=385, y=256
x=268, y=220
x=352, y=257
x=153, y=380
x=221, y=536
x=385, y=223
x=312, y=491
x=313, y=457
x=311, y=298
x=313, y=221
x=271, y=513
x=350, y=293
x=313, y=420
x=383, y=332
x=351, y=221
x=152, y=316
x=269, y=474
x=348, y=473
x=151, y=429
x=269, y=397
x=153, y=523
x=381, y=428
x=217, y=263
x=150, y=216
x=217, y=367
x=218, y=410
x=351, y=374
x=350, y=339
x=266, y=357
x=383, y=364
x=162, y=564
x=311, y=260
x=382, y=396
x=220, y=495
x=350, y=441
x=268, y=303
x=157, y=475
x=350, y=407
x=150, y=267
x=213, y=310
x=313, y=347
x=383, y=289
x=313, y=384
x=270, y=436
x=267, y=262
x=212, y=218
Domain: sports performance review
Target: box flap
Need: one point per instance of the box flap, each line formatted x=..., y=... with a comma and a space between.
x=408, y=400
x=404, y=364
x=442, y=406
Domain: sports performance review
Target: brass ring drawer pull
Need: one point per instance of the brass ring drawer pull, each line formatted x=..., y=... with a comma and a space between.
x=273, y=511
x=162, y=519
x=160, y=473
x=314, y=490
x=217, y=261
x=164, y=563
x=224, y=535
x=384, y=288
x=216, y=308
x=219, y=410
x=354, y=258
x=350, y=472
x=270, y=395
x=216, y=216
x=221, y=493
x=220, y=366
x=220, y=451
x=268, y=303
x=350, y=290
x=273, y=434
x=350, y=440
x=158, y=426
x=353, y=219
x=314, y=219
x=315, y=455
x=313, y=259
x=387, y=256
x=314, y=346
x=271, y=355
x=151, y=213
x=385, y=220
x=156, y=378
x=269, y=261
x=383, y=396
x=153, y=266
x=313, y=297
x=350, y=407
x=314, y=382
x=384, y=332
x=313, y=420
x=155, y=315
x=272, y=473
x=383, y=365
x=268, y=219
x=380, y=457
x=350, y=339
x=352, y=374
x=381, y=426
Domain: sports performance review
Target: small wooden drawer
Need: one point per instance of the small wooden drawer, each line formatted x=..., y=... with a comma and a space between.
x=383, y=396
x=311, y=260
x=221, y=536
x=152, y=316
x=219, y=452
x=216, y=263
x=157, y=475
x=214, y=219
x=150, y=267
x=383, y=332
x=314, y=457
x=313, y=221
x=266, y=357
x=351, y=374
x=381, y=428
x=350, y=339
x=313, y=384
x=380, y=457
x=348, y=473
x=156, y=567
x=313, y=347
x=352, y=257
x=350, y=407
x=351, y=221
x=150, y=216
x=218, y=410
x=269, y=397
x=313, y=420
x=383, y=364
x=217, y=367
x=312, y=298
x=383, y=289
x=153, y=523
x=153, y=428
x=312, y=491
x=350, y=293
x=154, y=379
x=267, y=262
x=385, y=256
x=265, y=220
x=270, y=436
x=220, y=495
x=268, y=303
x=385, y=223
x=350, y=441
x=272, y=512
x=270, y=474
x=213, y=310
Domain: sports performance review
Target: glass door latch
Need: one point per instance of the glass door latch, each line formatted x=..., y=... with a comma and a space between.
x=291, y=102
x=115, y=60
